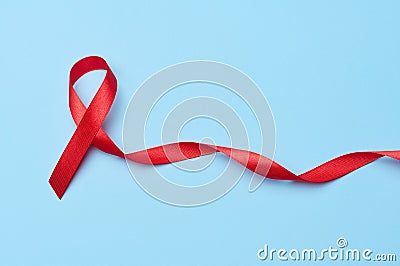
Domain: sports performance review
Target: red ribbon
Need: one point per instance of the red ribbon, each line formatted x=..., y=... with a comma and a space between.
x=89, y=132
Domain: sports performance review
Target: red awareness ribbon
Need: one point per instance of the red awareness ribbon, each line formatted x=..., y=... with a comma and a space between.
x=89, y=132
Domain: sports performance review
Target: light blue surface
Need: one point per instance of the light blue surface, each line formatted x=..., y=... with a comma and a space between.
x=330, y=71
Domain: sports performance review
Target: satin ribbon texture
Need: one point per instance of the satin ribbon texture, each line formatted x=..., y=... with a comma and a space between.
x=89, y=132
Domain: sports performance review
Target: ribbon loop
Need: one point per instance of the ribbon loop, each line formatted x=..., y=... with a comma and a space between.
x=88, y=121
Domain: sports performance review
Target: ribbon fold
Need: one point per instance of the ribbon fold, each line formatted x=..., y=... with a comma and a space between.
x=89, y=132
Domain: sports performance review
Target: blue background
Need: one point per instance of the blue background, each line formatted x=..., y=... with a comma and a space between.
x=330, y=71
